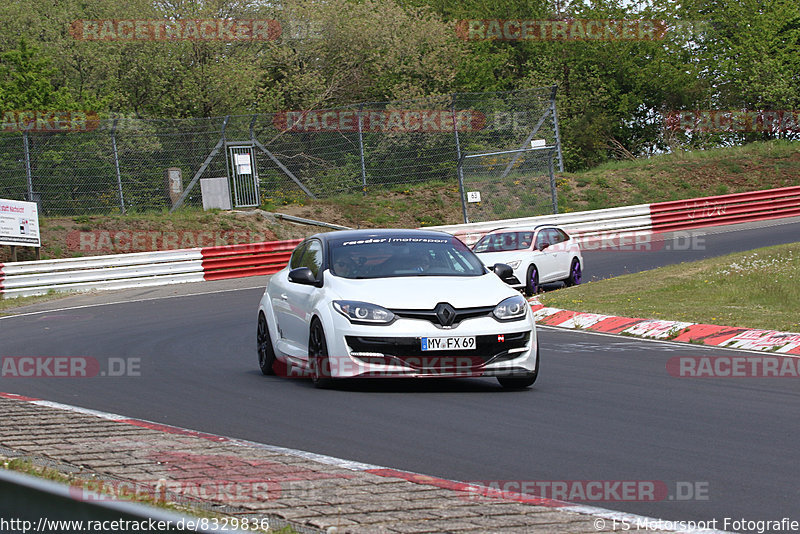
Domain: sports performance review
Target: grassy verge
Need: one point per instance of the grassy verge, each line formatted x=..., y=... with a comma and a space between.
x=756, y=289
x=17, y=302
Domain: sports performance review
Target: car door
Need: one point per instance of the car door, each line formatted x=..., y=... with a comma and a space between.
x=279, y=290
x=299, y=299
x=562, y=251
x=545, y=259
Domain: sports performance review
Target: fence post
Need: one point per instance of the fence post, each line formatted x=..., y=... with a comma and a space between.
x=555, y=128
x=361, y=151
x=553, y=191
x=459, y=161
x=116, y=165
x=28, y=165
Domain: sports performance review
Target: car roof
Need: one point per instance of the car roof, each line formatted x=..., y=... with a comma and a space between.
x=326, y=237
x=523, y=228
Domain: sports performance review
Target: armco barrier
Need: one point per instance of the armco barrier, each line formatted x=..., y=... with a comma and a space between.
x=585, y=224
x=235, y=261
x=141, y=269
x=630, y=220
x=643, y=219
x=725, y=209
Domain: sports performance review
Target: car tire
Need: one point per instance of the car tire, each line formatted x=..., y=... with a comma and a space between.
x=532, y=281
x=318, y=356
x=575, y=273
x=521, y=382
x=266, y=352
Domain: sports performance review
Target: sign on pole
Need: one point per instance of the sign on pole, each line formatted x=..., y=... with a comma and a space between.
x=19, y=223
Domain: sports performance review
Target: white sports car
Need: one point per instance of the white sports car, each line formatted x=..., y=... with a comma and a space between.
x=538, y=255
x=394, y=303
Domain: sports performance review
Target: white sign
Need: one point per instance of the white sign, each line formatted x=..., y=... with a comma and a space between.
x=473, y=196
x=19, y=223
x=242, y=163
x=537, y=143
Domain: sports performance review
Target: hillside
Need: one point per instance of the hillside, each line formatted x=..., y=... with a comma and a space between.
x=667, y=177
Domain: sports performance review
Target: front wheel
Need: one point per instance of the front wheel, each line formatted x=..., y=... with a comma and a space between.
x=575, y=273
x=524, y=381
x=266, y=353
x=532, y=281
x=318, y=356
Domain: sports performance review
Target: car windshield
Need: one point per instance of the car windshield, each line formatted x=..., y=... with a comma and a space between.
x=403, y=255
x=504, y=241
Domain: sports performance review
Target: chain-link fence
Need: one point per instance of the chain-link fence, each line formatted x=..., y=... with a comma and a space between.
x=508, y=184
x=130, y=164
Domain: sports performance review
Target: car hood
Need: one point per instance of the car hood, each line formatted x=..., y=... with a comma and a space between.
x=423, y=292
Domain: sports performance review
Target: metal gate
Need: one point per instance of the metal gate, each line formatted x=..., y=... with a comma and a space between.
x=508, y=184
x=242, y=163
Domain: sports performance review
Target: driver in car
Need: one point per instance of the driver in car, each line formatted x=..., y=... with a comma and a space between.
x=344, y=266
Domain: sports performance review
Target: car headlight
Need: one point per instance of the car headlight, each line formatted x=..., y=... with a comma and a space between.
x=513, y=264
x=363, y=312
x=511, y=309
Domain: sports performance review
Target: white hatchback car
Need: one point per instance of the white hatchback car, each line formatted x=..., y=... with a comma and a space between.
x=394, y=303
x=538, y=255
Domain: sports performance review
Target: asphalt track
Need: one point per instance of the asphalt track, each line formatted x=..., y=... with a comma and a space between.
x=604, y=407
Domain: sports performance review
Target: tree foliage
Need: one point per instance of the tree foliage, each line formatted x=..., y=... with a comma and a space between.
x=613, y=95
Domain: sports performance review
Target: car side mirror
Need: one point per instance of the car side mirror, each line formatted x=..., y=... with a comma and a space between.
x=302, y=275
x=503, y=271
x=543, y=246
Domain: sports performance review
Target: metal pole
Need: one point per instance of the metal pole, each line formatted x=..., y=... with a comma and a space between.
x=555, y=127
x=203, y=167
x=28, y=165
x=116, y=165
x=553, y=191
x=361, y=150
x=231, y=179
x=459, y=162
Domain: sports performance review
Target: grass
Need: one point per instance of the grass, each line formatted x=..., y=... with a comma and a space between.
x=11, y=303
x=756, y=289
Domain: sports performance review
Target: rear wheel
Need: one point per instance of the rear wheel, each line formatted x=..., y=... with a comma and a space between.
x=532, y=281
x=318, y=356
x=266, y=353
x=575, y=273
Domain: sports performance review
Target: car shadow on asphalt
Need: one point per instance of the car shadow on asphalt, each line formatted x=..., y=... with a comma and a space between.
x=406, y=385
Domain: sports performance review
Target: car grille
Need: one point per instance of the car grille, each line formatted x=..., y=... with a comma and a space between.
x=444, y=314
x=408, y=351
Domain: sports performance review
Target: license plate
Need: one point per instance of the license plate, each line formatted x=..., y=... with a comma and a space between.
x=448, y=343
